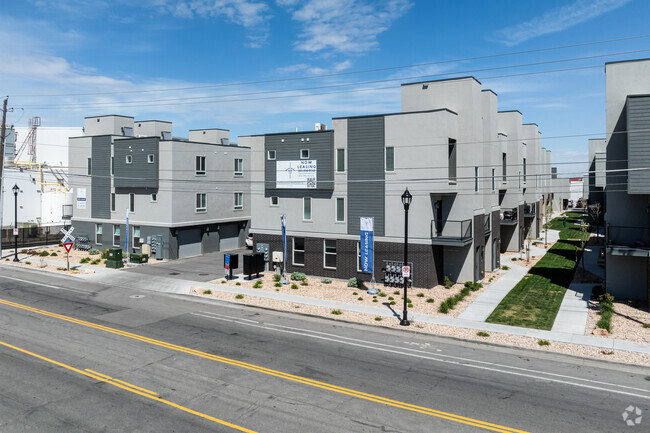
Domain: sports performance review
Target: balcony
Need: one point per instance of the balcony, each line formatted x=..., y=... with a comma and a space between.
x=509, y=217
x=529, y=210
x=451, y=233
x=487, y=227
x=628, y=241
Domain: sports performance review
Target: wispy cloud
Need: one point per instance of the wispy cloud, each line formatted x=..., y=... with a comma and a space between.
x=314, y=70
x=343, y=26
x=556, y=20
x=242, y=12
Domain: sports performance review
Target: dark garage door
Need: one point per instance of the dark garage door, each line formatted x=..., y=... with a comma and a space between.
x=189, y=243
x=229, y=237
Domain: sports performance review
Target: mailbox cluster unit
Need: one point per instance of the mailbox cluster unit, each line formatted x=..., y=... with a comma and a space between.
x=393, y=273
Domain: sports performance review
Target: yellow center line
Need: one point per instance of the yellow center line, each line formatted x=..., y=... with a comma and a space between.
x=107, y=379
x=123, y=382
x=264, y=370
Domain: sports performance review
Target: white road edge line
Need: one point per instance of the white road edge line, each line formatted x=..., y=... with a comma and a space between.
x=229, y=317
x=46, y=285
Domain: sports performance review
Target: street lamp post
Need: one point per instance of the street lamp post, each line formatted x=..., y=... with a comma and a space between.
x=15, y=189
x=406, y=201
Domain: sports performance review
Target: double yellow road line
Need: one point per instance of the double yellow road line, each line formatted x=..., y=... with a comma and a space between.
x=256, y=368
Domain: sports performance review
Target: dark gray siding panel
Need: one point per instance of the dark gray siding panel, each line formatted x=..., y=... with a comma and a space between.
x=139, y=174
x=287, y=148
x=638, y=144
x=100, y=181
x=366, y=186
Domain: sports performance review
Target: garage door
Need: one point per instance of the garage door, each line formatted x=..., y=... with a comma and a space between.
x=229, y=237
x=189, y=243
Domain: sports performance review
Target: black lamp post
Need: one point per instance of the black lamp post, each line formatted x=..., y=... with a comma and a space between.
x=15, y=189
x=406, y=201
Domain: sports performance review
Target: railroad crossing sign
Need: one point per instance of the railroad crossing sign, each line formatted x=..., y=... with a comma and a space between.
x=67, y=234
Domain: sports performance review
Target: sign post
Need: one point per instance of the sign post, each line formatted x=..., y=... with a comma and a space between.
x=67, y=241
x=283, y=220
x=126, y=235
x=367, y=250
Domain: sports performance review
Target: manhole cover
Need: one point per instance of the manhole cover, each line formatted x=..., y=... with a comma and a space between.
x=174, y=273
x=203, y=275
x=136, y=296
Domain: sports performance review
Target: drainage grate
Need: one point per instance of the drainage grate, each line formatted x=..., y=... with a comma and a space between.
x=174, y=273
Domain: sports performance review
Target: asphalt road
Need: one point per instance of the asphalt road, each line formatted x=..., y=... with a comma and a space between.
x=78, y=357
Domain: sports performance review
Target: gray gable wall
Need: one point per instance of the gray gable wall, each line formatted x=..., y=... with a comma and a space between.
x=100, y=181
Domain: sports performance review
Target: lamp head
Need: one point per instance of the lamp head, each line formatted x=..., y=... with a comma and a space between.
x=406, y=199
x=15, y=189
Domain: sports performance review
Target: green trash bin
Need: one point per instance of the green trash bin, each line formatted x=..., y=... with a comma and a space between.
x=115, y=264
x=138, y=258
x=114, y=254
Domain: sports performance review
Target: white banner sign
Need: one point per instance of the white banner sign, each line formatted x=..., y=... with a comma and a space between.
x=81, y=198
x=295, y=174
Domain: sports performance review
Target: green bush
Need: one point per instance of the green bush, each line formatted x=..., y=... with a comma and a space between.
x=298, y=276
x=464, y=292
x=326, y=281
x=359, y=298
x=448, y=283
x=505, y=268
x=396, y=292
x=28, y=263
x=61, y=269
x=103, y=256
x=53, y=254
x=240, y=296
x=353, y=282
x=44, y=254
x=304, y=283
x=378, y=319
x=258, y=284
x=473, y=285
x=443, y=308
x=482, y=334
x=294, y=286
x=410, y=305
x=382, y=294
x=277, y=277
x=390, y=298
x=237, y=283
x=85, y=260
x=374, y=300
x=354, y=293
x=93, y=252
x=514, y=259
x=207, y=292
x=646, y=325
x=277, y=285
x=543, y=342
x=337, y=312
x=420, y=295
x=430, y=300
x=392, y=302
x=95, y=262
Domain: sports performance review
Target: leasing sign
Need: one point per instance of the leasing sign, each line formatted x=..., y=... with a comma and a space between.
x=295, y=174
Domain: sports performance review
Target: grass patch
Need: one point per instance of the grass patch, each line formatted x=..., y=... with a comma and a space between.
x=28, y=263
x=85, y=260
x=258, y=284
x=294, y=286
x=61, y=269
x=277, y=285
x=337, y=312
x=606, y=307
x=420, y=295
x=505, y=268
x=96, y=262
x=482, y=334
x=237, y=283
x=240, y=296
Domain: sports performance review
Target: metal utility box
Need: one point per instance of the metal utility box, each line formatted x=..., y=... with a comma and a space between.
x=264, y=249
x=157, y=246
x=138, y=258
x=115, y=264
x=114, y=254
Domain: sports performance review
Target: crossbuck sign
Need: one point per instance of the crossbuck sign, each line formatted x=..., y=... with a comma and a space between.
x=67, y=234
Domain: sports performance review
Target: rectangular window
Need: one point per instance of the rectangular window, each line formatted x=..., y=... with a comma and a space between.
x=451, y=157
x=475, y=179
x=131, y=202
x=201, y=203
x=298, y=252
x=200, y=166
x=504, y=165
x=154, y=198
x=275, y=201
x=90, y=166
x=304, y=153
x=390, y=159
x=129, y=159
x=136, y=236
x=151, y=158
x=306, y=208
x=112, y=165
x=98, y=234
x=519, y=179
x=340, y=209
x=239, y=167
x=329, y=256
x=358, y=257
x=270, y=155
x=493, y=175
x=116, y=236
x=239, y=200
x=524, y=169
x=112, y=202
x=340, y=160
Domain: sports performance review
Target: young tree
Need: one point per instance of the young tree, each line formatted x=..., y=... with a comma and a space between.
x=584, y=236
x=547, y=217
x=596, y=211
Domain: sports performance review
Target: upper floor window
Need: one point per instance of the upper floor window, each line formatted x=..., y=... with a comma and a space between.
x=390, y=159
x=451, y=159
x=340, y=160
x=200, y=165
x=151, y=158
x=201, y=202
x=475, y=179
x=304, y=153
x=239, y=200
x=131, y=202
x=275, y=200
x=239, y=167
x=340, y=209
x=270, y=155
x=129, y=159
x=306, y=208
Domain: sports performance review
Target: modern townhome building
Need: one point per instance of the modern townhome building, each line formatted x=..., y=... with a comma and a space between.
x=627, y=180
x=188, y=195
x=446, y=146
x=595, y=182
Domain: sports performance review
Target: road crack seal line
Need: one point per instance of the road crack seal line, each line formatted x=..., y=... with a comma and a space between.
x=264, y=370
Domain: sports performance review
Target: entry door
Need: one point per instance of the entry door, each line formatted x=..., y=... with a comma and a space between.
x=189, y=243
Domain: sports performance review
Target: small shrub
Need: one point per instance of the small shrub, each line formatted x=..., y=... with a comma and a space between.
x=207, y=292
x=420, y=295
x=44, y=254
x=392, y=302
x=61, y=269
x=28, y=263
x=448, y=283
x=514, y=259
x=390, y=298
x=85, y=260
x=382, y=294
x=337, y=312
x=430, y=300
x=237, y=283
x=408, y=301
x=543, y=342
x=464, y=292
x=505, y=268
x=93, y=252
x=378, y=319
x=223, y=282
x=304, y=283
x=277, y=290
x=359, y=298
x=240, y=296
x=410, y=305
x=277, y=285
x=482, y=334
x=355, y=293
x=95, y=262
x=258, y=284
x=444, y=308
x=294, y=286
x=353, y=282
x=374, y=300
x=326, y=281
x=298, y=276
x=103, y=256
x=6, y=260
x=277, y=277
x=646, y=325
x=104, y=261
x=473, y=285
x=374, y=297
x=396, y=292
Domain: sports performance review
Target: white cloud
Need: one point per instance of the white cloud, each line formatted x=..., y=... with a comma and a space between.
x=314, y=70
x=556, y=20
x=242, y=12
x=344, y=26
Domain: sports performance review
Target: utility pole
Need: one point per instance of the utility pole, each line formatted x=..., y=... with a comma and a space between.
x=3, y=133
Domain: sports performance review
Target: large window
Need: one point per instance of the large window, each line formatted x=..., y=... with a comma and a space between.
x=136, y=236
x=131, y=202
x=98, y=234
x=451, y=159
x=390, y=159
x=112, y=202
x=306, y=208
x=116, y=236
x=201, y=203
x=239, y=167
x=340, y=160
x=340, y=209
x=200, y=166
x=239, y=200
x=329, y=256
x=298, y=251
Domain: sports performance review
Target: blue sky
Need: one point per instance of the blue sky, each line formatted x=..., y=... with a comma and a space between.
x=231, y=64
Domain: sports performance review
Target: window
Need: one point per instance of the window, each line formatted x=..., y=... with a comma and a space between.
x=201, y=202
x=239, y=200
x=275, y=201
x=200, y=165
x=298, y=253
x=519, y=178
x=390, y=159
x=304, y=153
x=270, y=155
x=340, y=209
x=112, y=165
x=329, y=256
x=154, y=198
x=358, y=256
x=129, y=159
x=151, y=158
x=524, y=169
x=131, y=202
x=340, y=160
x=98, y=234
x=493, y=175
x=475, y=179
x=503, y=166
x=239, y=167
x=90, y=166
x=112, y=202
x=136, y=236
x=116, y=236
x=452, y=160
x=306, y=208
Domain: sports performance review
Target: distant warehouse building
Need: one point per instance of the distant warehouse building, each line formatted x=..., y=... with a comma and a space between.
x=189, y=195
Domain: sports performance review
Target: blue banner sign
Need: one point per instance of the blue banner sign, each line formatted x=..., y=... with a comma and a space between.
x=226, y=261
x=366, y=245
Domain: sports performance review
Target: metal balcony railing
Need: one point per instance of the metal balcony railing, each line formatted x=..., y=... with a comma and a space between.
x=529, y=210
x=450, y=232
x=628, y=237
x=509, y=216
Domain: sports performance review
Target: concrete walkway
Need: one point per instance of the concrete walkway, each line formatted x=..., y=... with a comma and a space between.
x=572, y=316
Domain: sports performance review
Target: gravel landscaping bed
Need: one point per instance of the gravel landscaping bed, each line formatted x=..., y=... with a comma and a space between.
x=627, y=322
